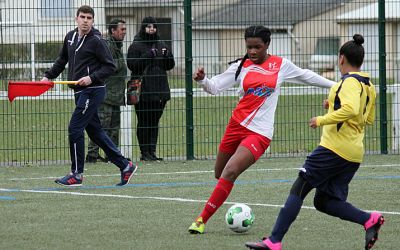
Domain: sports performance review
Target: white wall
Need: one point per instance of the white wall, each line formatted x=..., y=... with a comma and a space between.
x=371, y=45
x=22, y=18
x=397, y=56
x=205, y=51
x=281, y=45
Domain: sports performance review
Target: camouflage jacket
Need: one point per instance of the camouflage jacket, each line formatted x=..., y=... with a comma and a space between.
x=116, y=83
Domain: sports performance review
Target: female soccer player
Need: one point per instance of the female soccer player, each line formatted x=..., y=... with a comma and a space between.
x=250, y=129
x=332, y=165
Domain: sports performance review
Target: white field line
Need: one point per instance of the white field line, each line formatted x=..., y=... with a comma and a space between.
x=158, y=198
x=190, y=172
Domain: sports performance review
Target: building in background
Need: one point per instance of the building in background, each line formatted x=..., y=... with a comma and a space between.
x=307, y=32
x=364, y=20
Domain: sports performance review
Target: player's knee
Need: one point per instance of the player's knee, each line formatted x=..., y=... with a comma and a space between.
x=229, y=173
x=300, y=187
x=73, y=132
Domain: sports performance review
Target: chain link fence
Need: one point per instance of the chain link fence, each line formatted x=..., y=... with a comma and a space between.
x=34, y=130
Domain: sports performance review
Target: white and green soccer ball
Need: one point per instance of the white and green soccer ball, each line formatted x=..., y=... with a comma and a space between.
x=239, y=218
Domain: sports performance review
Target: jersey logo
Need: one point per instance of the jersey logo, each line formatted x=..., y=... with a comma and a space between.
x=272, y=65
x=260, y=91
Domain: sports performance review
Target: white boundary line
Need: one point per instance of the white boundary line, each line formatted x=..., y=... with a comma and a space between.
x=158, y=198
x=192, y=172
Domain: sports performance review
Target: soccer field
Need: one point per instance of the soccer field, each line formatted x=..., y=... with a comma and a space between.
x=155, y=210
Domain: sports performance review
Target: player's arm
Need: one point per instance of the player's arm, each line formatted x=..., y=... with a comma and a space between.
x=350, y=104
x=370, y=110
x=218, y=83
x=294, y=74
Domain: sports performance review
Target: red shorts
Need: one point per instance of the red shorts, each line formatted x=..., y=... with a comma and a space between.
x=236, y=135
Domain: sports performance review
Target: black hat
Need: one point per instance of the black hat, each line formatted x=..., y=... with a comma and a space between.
x=149, y=20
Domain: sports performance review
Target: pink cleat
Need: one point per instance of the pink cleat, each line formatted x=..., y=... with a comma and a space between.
x=264, y=244
x=372, y=227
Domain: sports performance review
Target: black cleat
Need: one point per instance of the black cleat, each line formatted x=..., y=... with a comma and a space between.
x=372, y=227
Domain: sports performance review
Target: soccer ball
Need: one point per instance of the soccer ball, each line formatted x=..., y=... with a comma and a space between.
x=239, y=218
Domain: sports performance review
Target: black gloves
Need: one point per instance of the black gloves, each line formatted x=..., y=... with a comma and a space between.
x=150, y=53
x=153, y=52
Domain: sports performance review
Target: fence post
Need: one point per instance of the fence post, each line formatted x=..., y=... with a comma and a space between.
x=188, y=79
x=382, y=76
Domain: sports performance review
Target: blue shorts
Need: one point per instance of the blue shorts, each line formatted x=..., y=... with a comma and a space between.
x=328, y=172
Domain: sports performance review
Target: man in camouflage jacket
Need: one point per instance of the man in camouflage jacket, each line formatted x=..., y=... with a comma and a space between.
x=109, y=111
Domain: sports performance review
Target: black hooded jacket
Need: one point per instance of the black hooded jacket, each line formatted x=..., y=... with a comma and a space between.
x=150, y=66
x=88, y=57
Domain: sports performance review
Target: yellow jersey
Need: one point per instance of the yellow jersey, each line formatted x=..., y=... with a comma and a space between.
x=351, y=107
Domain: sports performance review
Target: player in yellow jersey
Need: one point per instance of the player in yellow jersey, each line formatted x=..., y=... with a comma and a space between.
x=331, y=166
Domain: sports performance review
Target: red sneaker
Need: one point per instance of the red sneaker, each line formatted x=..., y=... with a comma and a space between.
x=127, y=175
x=69, y=180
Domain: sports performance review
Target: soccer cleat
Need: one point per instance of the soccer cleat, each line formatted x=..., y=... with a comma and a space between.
x=264, y=244
x=69, y=180
x=372, y=227
x=197, y=226
x=127, y=175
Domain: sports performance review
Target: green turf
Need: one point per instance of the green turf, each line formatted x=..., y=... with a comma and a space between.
x=131, y=217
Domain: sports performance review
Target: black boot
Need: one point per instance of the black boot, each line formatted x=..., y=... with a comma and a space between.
x=154, y=157
x=152, y=150
x=145, y=156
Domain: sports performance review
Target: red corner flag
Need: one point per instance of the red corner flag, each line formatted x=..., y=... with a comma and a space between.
x=16, y=88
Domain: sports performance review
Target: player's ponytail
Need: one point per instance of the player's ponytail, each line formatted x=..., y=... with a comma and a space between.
x=241, y=65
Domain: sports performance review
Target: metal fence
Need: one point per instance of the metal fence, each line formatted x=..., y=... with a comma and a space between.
x=33, y=130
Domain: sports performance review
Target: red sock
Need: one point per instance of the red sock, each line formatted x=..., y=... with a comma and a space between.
x=217, y=198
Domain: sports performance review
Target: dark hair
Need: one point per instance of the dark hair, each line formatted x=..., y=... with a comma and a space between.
x=85, y=9
x=354, y=51
x=254, y=31
x=258, y=31
x=114, y=25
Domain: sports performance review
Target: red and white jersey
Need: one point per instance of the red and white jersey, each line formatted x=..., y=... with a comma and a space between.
x=259, y=88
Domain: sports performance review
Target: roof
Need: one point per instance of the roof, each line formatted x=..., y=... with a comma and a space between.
x=370, y=12
x=274, y=13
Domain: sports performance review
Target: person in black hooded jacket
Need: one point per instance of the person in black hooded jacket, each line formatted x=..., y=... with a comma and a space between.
x=149, y=59
x=90, y=63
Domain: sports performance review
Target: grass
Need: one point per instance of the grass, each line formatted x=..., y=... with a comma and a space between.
x=155, y=210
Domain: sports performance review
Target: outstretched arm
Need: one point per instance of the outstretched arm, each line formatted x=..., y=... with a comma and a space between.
x=294, y=74
x=218, y=83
